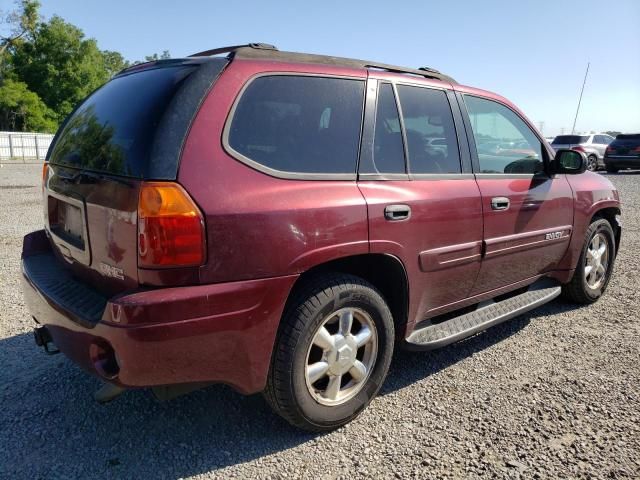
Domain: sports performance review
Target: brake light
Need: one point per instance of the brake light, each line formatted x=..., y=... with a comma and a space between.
x=170, y=227
x=637, y=149
x=578, y=148
x=610, y=150
x=45, y=174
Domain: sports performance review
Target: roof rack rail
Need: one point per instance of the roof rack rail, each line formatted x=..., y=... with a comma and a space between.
x=217, y=51
x=274, y=54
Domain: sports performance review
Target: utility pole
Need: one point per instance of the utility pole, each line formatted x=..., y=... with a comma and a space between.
x=541, y=127
x=573, y=129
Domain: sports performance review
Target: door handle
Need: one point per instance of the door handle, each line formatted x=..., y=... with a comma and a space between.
x=500, y=203
x=394, y=213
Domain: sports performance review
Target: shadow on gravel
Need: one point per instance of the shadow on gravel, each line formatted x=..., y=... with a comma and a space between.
x=51, y=427
x=409, y=367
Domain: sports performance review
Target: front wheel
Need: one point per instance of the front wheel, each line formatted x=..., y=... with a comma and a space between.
x=333, y=352
x=592, y=163
x=595, y=265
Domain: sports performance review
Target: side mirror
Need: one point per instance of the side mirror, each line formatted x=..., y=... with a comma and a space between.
x=569, y=162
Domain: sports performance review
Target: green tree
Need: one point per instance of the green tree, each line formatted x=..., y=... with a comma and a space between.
x=114, y=62
x=23, y=110
x=60, y=65
x=48, y=67
x=21, y=24
x=155, y=57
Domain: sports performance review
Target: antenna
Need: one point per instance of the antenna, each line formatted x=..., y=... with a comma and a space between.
x=573, y=129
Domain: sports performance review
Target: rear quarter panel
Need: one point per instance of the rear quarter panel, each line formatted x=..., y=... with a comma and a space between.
x=257, y=225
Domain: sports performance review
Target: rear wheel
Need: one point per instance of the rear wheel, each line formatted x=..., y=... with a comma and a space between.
x=595, y=265
x=592, y=163
x=332, y=354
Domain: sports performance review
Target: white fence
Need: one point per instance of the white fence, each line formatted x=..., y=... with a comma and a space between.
x=24, y=147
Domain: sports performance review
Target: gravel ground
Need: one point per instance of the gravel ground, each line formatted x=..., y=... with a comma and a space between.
x=552, y=394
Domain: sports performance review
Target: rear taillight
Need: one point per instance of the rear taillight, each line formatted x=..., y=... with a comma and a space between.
x=610, y=150
x=578, y=148
x=637, y=149
x=170, y=227
x=45, y=174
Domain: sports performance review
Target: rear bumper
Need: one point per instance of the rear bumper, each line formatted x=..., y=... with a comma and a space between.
x=623, y=161
x=196, y=334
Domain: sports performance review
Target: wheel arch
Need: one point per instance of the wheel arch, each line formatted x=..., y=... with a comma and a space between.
x=610, y=214
x=385, y=272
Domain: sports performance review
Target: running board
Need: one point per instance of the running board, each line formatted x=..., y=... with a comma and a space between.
x=435, y=336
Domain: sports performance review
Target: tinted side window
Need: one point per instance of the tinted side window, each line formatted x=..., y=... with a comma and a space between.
x=504, y=142
x=431, y=136
x=299, y=124
x=388, y=150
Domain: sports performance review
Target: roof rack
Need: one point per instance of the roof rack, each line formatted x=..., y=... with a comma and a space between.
x=270, y=52
x=218, y=51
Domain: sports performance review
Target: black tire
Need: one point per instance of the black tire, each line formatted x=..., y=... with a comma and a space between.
x=592, y=163
x=610, y=168
x=287, y=391
x=578, y=290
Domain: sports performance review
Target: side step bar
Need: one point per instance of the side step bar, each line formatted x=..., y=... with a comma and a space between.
x=438, y=335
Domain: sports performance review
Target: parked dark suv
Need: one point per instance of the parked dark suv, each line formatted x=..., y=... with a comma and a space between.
x=279, y=221
x=623, y=153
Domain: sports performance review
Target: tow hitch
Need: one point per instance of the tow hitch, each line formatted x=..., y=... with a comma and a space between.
x=43, y=339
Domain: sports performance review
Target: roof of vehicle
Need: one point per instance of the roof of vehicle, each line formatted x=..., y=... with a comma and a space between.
x=262, y=51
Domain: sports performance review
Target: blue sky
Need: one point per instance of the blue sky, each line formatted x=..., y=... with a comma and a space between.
x=534, y=52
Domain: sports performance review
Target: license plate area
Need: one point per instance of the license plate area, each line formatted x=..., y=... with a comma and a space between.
x=66, y=224
x=65, y=221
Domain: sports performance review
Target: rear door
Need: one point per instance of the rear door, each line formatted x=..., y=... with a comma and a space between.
x=528, y=214
x=423, y=202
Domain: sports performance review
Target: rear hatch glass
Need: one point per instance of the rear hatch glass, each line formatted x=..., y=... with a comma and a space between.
x=569, y=139
x=625, y=144
x=113, y=130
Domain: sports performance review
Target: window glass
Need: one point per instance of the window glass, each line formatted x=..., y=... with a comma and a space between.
x=388, y=151
x=113, y=130
x=570, y=139
x=300, y=124
x=431, y=136
x=504, y=142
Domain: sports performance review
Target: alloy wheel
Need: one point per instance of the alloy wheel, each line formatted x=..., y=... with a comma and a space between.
x=341, y=356
x=596, y=261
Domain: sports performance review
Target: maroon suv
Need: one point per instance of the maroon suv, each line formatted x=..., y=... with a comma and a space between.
x=279, y=221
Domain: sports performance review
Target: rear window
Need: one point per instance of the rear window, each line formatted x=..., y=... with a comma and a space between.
x=628, y=136
x=569, y=139
x=113, y=130
x=299, y=124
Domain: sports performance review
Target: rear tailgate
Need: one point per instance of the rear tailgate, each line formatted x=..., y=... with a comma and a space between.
x=128, y=131
x=91, y=222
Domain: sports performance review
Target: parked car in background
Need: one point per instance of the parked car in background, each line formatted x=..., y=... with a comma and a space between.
x=279, y=222
x=592, y=145
x=623, y=153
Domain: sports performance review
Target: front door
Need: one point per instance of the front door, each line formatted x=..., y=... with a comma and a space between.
x=422, y=199
x=528, y=214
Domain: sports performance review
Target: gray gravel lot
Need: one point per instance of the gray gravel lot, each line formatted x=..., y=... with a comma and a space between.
x=552, y=394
